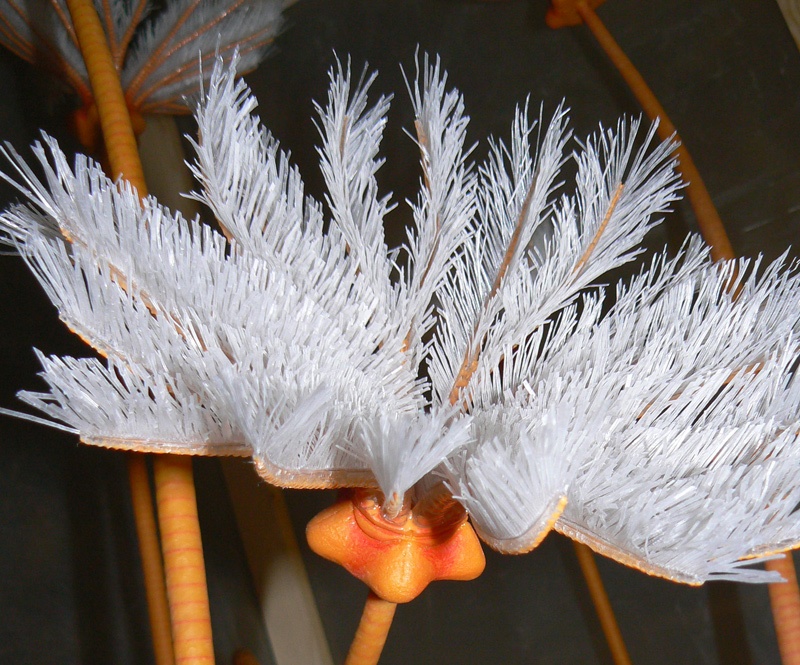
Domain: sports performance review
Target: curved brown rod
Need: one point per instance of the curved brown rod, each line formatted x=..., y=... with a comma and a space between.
x=373, y=628
x=175, y=494
x=619, y=653
x=244, y=657
x=563, y=13
x=784, y=597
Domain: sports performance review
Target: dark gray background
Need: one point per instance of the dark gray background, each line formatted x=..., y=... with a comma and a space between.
x=728, y=74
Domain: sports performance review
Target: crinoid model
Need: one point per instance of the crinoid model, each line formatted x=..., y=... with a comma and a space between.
x=479, y=382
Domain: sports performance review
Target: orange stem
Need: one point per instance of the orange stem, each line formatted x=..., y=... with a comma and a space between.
x=152, y=567
x=107, y=91
x=372, y=631
x=602, y=605
x=785, y=600
x=708, y=219
x=183, y=560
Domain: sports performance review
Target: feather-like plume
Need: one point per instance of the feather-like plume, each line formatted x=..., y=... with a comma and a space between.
x=447, y=200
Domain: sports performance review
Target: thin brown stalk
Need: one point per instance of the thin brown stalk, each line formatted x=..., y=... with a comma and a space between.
x=605, y=613
x=180, y=530
x=152, y=566
x=708, y=218
x=65, y=22
x=422, y=138
x=103, y=76
x=785, y=602
x=785, y=597
x=52, y=54
x=152, y=62
x=125, y=40
x=470, y=362
x=602, y=605
x=14, y=41
x=111, y=35
x=343, y=136
x=592, y=245
x=513, y=243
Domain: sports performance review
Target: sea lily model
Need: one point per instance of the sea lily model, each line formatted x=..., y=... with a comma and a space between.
x=155, y=52
x=480, y=376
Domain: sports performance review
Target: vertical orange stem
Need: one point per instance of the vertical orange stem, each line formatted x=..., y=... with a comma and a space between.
x=107, y=91
x=602, y=605
x=372, y=631
x=785, y=601
x=177, y=506
x=152, y=567
x=183, y=560
x=708, y=218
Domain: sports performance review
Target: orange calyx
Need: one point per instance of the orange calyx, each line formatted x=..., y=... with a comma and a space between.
x=564, y=13
x=397, y=558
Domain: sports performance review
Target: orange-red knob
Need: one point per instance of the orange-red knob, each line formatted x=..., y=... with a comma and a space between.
x=564, y=13
x=397, y=558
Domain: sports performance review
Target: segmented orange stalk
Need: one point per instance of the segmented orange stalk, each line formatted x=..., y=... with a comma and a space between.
x=119, y=141
x=183, y=560
x=115, y=120
x=372, y=631
x=177, y=505
x=784, y=596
